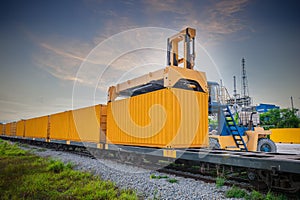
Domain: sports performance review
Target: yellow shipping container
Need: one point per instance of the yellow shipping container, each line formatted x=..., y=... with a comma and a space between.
x=167, y=118
x=86, y=123
x=37, y=127
x=8, y=129
x=286, y=135
x=1, y=129
x=20, y=128
x=13, y=128
x=60, y=126
x=77, y=125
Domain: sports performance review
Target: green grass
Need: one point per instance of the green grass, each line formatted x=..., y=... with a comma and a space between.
x=236, y=192
x=255, y=195
x=172, y=180
x=271, y=196
x=220, y=182
x=26, y=176
x=153, y=176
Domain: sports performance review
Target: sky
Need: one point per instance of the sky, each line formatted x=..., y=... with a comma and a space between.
x=60, y=55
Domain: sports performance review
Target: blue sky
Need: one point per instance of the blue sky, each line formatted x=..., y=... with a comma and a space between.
x=43, y=45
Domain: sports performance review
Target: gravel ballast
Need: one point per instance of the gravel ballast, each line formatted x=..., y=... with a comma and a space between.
x=138, y=179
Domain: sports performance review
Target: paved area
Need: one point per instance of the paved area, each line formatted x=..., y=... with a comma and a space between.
x=288, y=148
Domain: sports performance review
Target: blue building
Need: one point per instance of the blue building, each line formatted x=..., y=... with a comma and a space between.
x=262, y=108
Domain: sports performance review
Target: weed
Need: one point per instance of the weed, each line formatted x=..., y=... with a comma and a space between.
x=255, y=195
x=56, y=166
x=164, y=176
x=7, y=149
x=271, y=196
x=236, y=192
x=220, y=182
x=153, y=176
x=128, y=195
x=172, y=180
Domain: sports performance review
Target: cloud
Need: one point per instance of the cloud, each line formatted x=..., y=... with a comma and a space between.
x=61, y=52
x=213, y=19
x=165, y=6
x=62, y=56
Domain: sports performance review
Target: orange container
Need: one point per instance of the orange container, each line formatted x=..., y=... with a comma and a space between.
x=60, y=126
x=78, y=125
x=167, y=118
x=86, y=123
x=286, y=135
x=37, y=127
x=20, y=128
x=8, y=129
x=2, y=132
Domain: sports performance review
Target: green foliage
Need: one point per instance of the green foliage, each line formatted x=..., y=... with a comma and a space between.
x=280, y=118
x=255, y=195
x=172, y=180
x=271, y=196
x=213, y=123
x=220, y=182
x=57, y=166
x=289, y=119
x=26, y=176
x=236, y=192
x=7, y=149
x=128, y=195
x=153, y=176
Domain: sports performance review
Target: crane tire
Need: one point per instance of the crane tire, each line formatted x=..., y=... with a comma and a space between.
x=266, y=145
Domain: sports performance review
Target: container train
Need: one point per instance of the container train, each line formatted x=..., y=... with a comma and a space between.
x=164, y=114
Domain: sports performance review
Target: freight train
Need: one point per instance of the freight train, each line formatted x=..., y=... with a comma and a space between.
x=164, y=115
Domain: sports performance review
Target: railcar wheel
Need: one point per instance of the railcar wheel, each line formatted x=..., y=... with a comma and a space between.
x=266, y=145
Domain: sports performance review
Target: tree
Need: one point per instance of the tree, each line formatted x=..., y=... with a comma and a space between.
x=280, y=118
x=289, y=119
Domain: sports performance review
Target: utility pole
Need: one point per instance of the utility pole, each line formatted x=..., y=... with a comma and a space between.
x=245, y=90
x=234, y=89
x=292, y=103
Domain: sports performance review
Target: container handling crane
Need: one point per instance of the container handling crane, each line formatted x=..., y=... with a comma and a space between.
x=180, y=73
